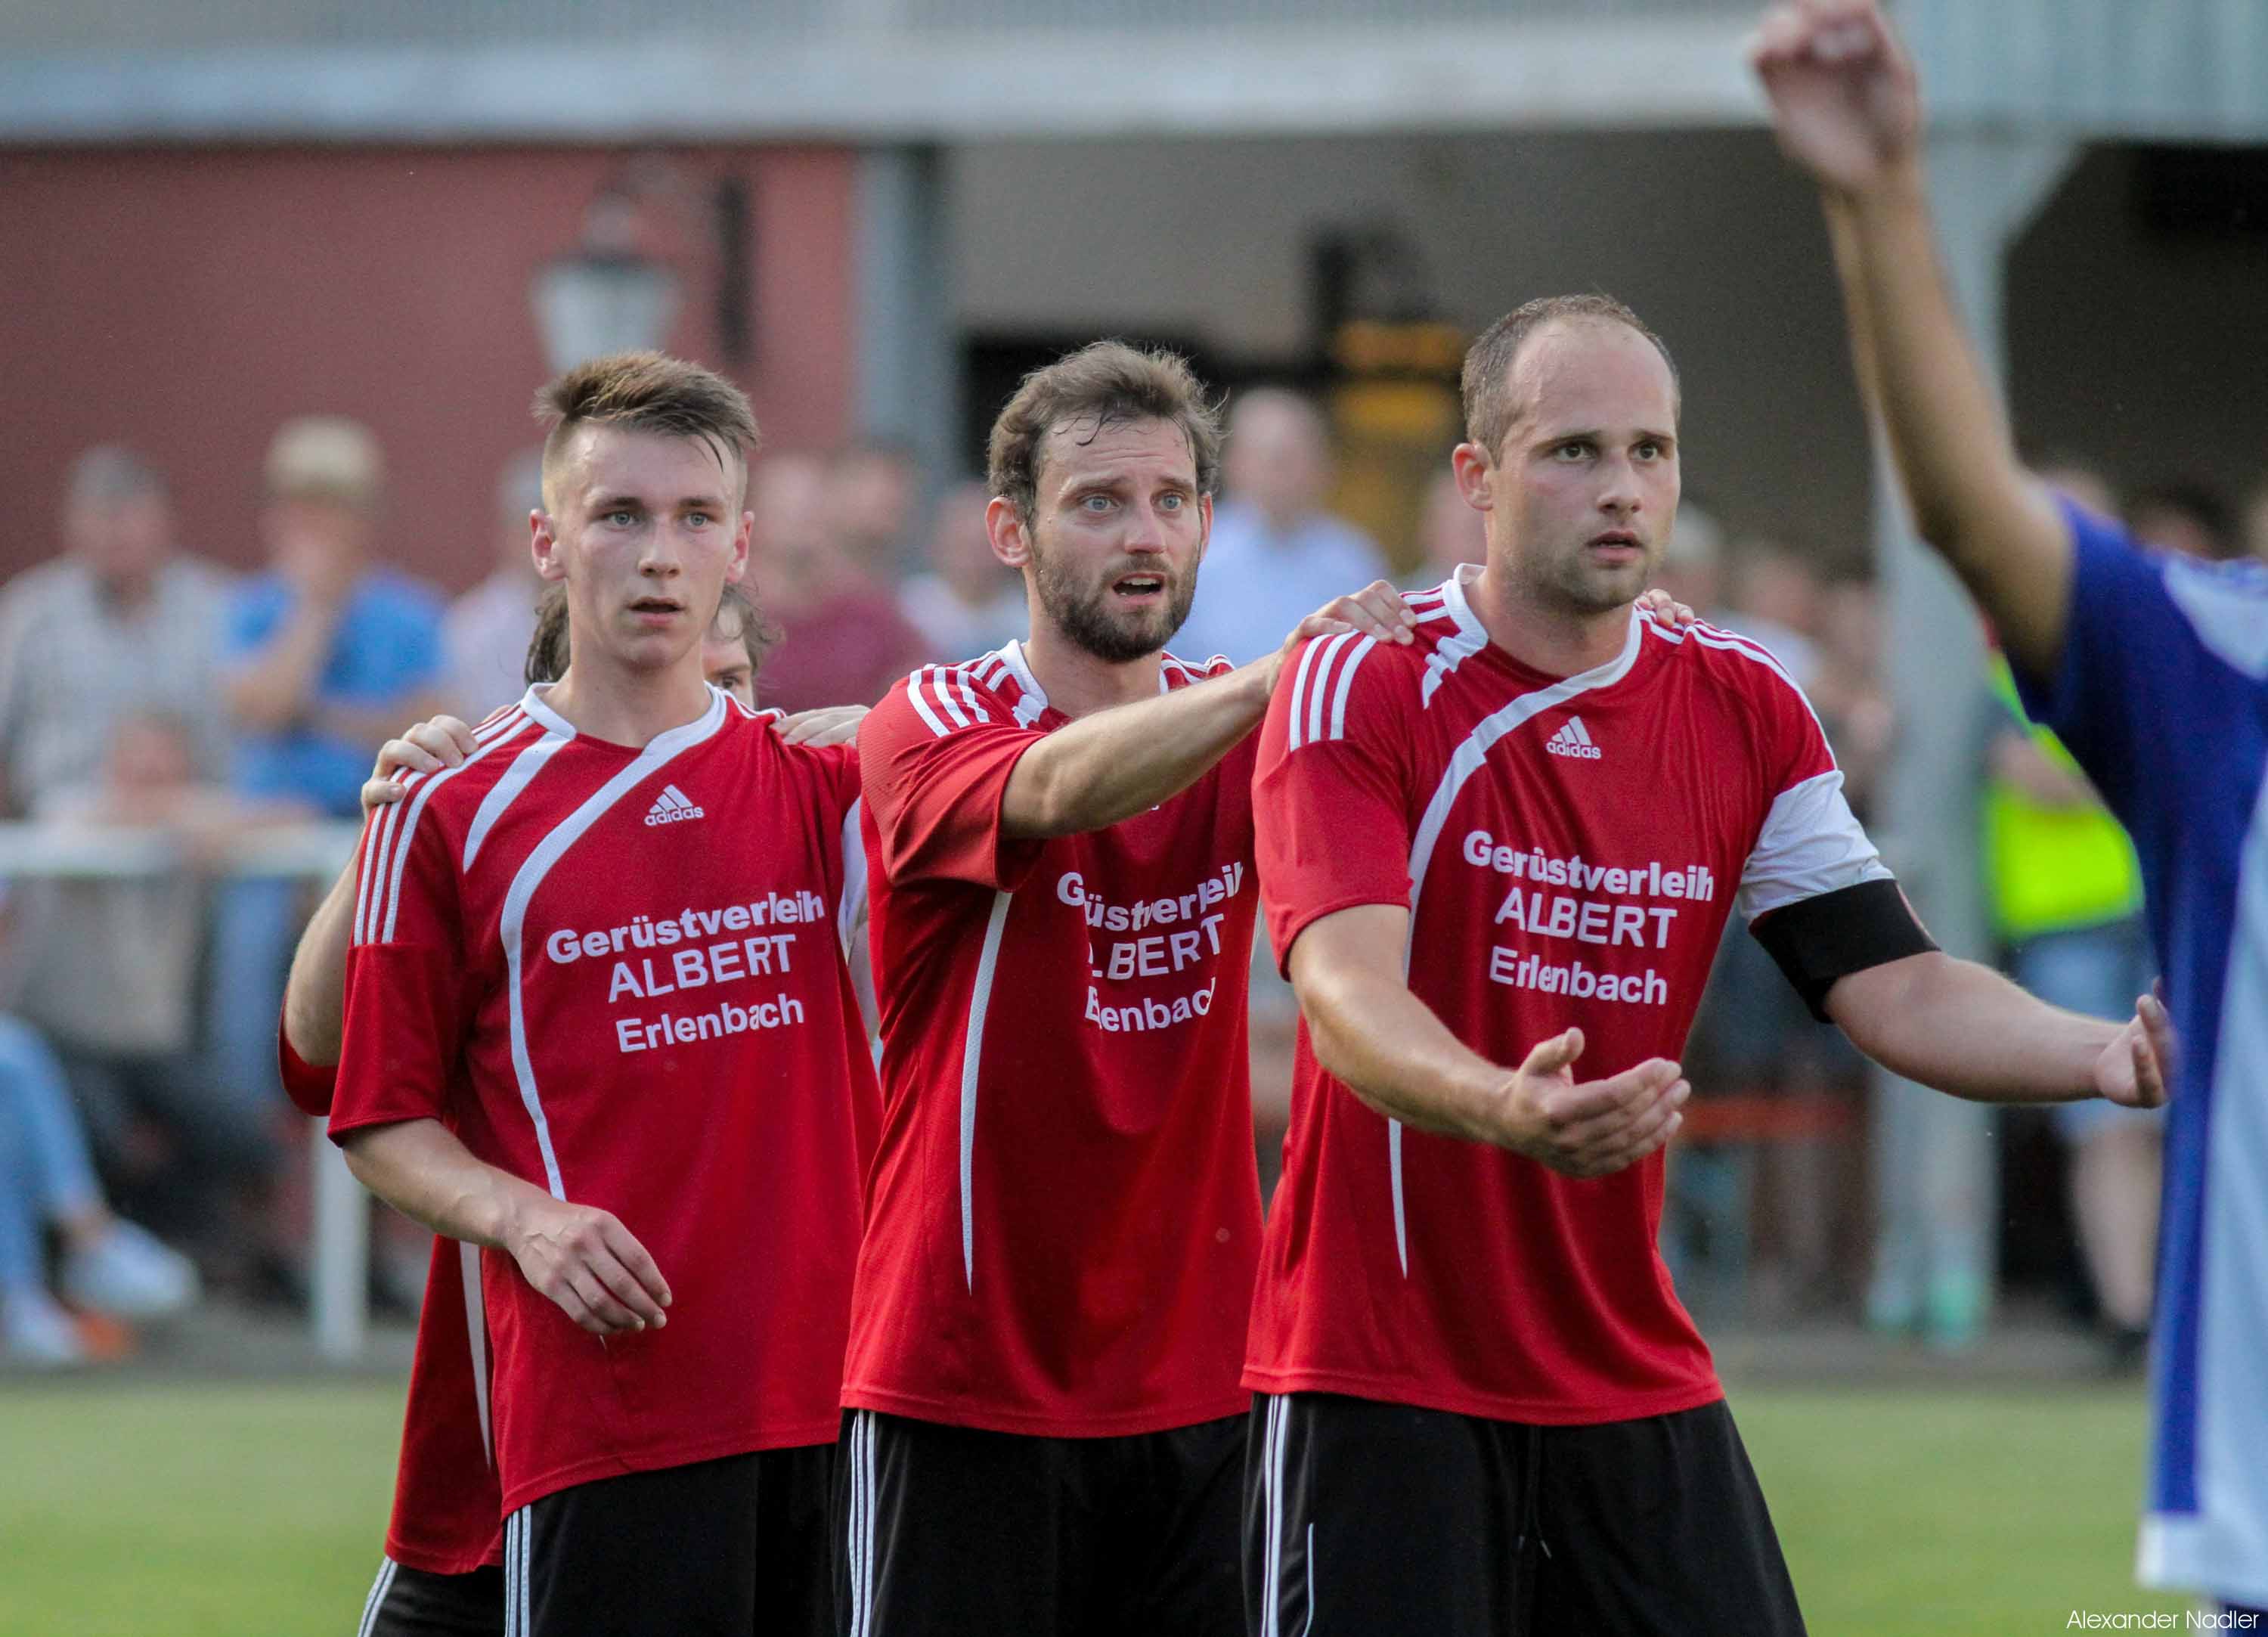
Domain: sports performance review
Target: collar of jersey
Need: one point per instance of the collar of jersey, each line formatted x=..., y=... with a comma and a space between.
x=1473, y=636
x=666, y=744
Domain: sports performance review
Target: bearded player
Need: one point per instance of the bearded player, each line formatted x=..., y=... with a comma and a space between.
x=1480, y=1406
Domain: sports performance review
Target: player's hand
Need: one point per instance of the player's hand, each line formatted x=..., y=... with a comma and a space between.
x=1594, y=1128
x=1843, y=101
x=1667, y=610
x=2136, y=1067
x=830, y=725
x=428, y=748
x=1376, y=610
x=587, y=1261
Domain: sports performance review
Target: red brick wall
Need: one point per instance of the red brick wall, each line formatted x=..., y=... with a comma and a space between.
x=185, y=301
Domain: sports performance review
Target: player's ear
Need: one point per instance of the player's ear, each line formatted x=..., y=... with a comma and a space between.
x=1005, y=526
x=1475, y=476
x=544, y=545
x=743, y=532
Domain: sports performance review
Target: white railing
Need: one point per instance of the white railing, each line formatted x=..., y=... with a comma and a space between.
x=337, y=1306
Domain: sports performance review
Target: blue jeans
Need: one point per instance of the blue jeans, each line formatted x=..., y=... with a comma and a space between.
x=44, y=1169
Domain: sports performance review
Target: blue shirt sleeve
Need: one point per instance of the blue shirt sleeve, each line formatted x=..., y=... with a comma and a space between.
x=2130, y=659
x=254, y=612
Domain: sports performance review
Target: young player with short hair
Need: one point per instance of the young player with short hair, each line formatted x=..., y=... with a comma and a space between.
x=1481, y=1407
x=441, y=1569
x=2154, y=672
x=598, y=1021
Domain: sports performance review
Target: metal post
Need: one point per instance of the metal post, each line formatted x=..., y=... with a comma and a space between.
x=907, y=380
x=342, y=1257
x=1936, y=1182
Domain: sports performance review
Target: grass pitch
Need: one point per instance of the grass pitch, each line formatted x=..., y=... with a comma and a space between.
x=221, y=1510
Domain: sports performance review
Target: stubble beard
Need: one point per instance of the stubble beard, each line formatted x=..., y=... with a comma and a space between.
x=1087, y=621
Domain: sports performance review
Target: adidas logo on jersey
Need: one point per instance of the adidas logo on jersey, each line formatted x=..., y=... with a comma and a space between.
x=671, y=807
x=1574, y=739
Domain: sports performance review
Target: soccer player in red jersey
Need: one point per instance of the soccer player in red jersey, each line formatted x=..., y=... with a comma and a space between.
x=441, y=1569
x=1045, y=1426
x=598, y=1021
x=1481, y=1407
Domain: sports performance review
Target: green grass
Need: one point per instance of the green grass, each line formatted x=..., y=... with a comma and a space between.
x=235, y=1509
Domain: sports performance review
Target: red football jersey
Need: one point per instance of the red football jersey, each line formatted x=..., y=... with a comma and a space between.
x=1064, y=1212
x=1570, y=849
x=618, y=974
x=447, y=1505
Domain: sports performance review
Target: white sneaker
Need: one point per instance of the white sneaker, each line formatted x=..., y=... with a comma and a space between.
x=128, y=1274
x=35, y=1331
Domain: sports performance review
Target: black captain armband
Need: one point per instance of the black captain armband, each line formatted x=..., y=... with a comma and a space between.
x=1818, y=940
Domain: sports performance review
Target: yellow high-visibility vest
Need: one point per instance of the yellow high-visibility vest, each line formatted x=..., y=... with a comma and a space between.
x=2052, y=869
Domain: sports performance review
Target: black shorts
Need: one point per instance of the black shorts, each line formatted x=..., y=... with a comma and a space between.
x=950, y=1531
x=405, y=1602
x=739, y=1546
x=1374, y=1520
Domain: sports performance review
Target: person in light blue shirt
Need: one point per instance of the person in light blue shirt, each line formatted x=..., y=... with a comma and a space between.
x=1274, y=553
x=326, y=655
x=2154, y=672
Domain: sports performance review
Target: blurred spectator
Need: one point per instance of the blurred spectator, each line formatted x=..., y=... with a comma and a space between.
x=967, y=601
x=121, y=623
x=47, y=1180
x=329, y=653
x=2191, y=519
x=1276, y=555
x=2081, y=483
x=110, y=977
x=1693, y=566
x=1773, y=598
x=2066, y=896
x=1450, y=532
x=842, y=641
x=872, y=486
x=2256, y=524
x=486, y=632
x=1849, y=692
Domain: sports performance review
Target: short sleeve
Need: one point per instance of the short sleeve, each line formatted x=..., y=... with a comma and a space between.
x=1810, y=842
x=1331, y=793
x=935, y=757
x=310, y=1085
x=406, y=1006
x=2149, y=641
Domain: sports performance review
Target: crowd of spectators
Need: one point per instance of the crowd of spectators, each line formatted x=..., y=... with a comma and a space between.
x=155, y=708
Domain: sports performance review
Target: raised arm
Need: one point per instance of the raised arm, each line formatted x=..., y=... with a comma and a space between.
x=1966, y=1029
x=1846, y=108
x=1390, y=1049
x=1117, y=763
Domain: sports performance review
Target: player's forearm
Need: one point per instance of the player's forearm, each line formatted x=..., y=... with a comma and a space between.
x=1388, y=1047
x=423, y=1170
x=1947, y=433
x=1124, y=761
x=314, y=998
x=1965, y=1029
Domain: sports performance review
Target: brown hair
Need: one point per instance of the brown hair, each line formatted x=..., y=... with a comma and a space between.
x=647, y=392
x=548, y=650
x=1490, y=410
x=1102, y=383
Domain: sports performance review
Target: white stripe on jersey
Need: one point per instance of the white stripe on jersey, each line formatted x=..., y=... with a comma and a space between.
x=501, y=795
x=1733, y=642
x=921, y=708
x=1463, y=763
x=380, y=926
x=1332, y=649
x=1337, y=729
x=980, y=998
x=940, y=684
x=1296, y=733
x=477, y=1328
x=850, y=909
x=379, y=843
x=657, y=755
